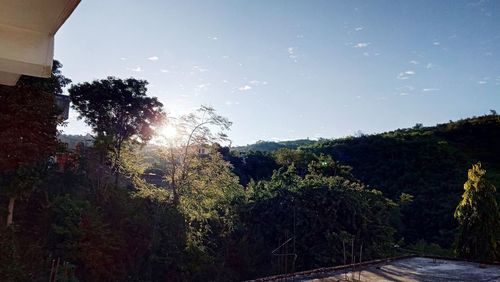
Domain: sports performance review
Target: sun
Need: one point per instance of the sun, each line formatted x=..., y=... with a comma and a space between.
x=168, y=131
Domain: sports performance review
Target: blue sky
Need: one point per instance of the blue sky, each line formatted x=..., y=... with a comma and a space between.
x=295, y=69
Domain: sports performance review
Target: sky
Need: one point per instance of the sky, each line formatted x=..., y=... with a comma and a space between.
x=282, y=70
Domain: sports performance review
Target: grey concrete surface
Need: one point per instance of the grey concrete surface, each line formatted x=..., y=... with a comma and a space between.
x=413, y=269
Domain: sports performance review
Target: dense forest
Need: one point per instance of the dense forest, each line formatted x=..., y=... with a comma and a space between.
x=110, y=207
x=427, y=163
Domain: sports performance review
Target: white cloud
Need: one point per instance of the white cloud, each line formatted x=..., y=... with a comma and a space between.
x=430, y=89
x=482, y=82
x=123, y=58
x=414, y=62
x=362, y=45
x=404, y=94
x=407, y=88
x=405, y=74
x=202, y=87
x=136, y=69
x=436, y=43
x=214, y=38
x=153, y=58
x=292, y=53
x=200, y=69
x=244, y=88
x=429, y=66
x=359, y=28
x=257, y=82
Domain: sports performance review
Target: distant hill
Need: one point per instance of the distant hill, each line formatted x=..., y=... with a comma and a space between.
x=73, y=140
x=269, y=146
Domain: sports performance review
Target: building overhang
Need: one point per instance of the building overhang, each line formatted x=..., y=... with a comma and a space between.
x=27, y=30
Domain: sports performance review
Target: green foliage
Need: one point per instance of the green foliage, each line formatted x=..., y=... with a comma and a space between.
x=117, y=108
x=28, y=126
x=118, y=111
x=271, y=146
x=423, y=248
x=11, y=268
x=320, y=210
x=427, y=163
x=479, y=218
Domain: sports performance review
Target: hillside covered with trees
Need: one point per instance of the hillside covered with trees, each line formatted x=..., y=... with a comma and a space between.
x=425, y=165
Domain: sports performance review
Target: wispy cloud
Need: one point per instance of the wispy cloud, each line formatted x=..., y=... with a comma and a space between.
x=436, y=43
x=136, y=69
x=406, y=88
x=292, y=53
x=429, y=66
x=404, y=94
x=414, y=62
x=482, y=82
x=202, y=87
x=430, y=89
x=153, y=58
x=200, y=69
x=362, y=45
x=230, y=103
x=477, y=3
x=360, y=28
x=164, y=71
x=405, y=75
x=123, y=58
x=257, y=82
x=244, y=88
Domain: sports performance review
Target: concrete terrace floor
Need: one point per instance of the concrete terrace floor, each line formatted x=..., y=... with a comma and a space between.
x=412, y=269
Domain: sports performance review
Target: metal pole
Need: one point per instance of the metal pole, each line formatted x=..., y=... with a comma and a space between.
x=360, y=257
x=353, y=259
x=52, y=270
x=345, y=272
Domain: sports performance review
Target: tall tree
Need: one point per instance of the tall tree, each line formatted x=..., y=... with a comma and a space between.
x=28, y=130
x=479, y=218
x=194, y=132
x=118, y=111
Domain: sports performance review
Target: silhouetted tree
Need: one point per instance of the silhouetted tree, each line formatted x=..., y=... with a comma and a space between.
x=28, y=130
x=118, y=111
x=53, y=84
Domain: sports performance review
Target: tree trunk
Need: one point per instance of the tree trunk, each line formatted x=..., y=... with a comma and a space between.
x=117, y=159
x=10, y=215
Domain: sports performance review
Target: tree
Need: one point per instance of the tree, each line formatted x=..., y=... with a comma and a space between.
x=28, y=126
x=54, y=84
x=479, y=218
x=118, y=111
x=194, y=132
x=28, y=129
